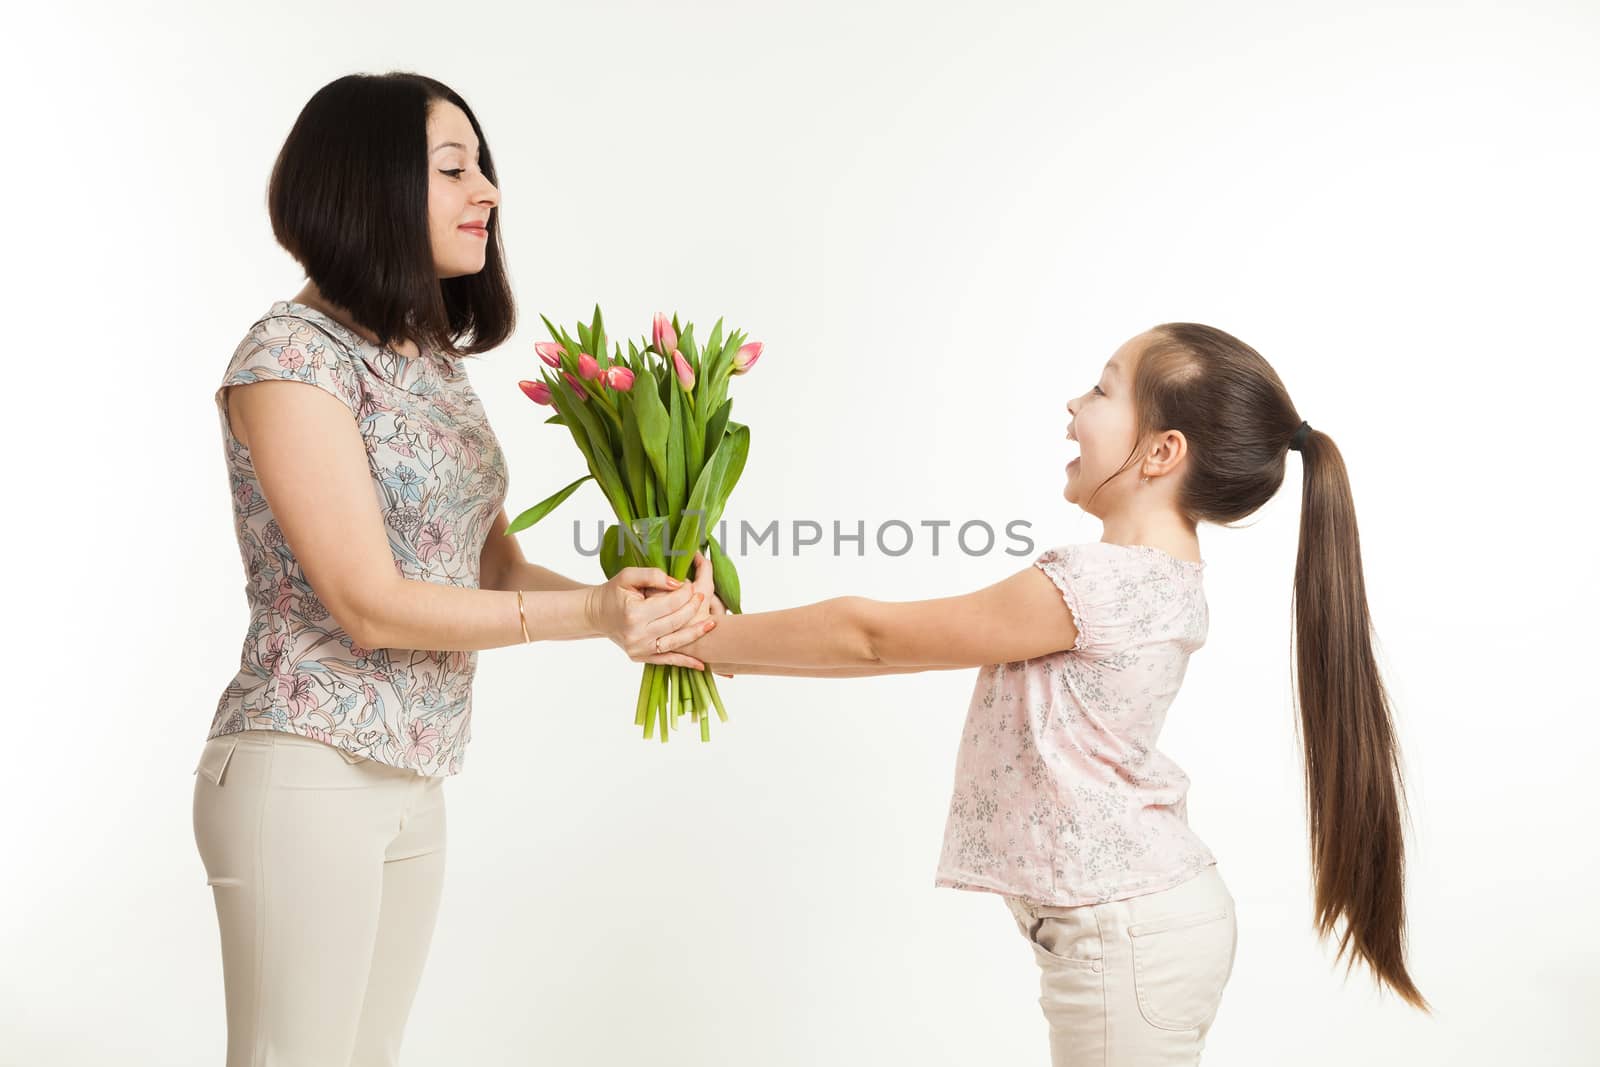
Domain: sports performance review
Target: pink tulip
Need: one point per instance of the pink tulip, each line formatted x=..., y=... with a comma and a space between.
x=685, y=372
x=550, y=352
x=577, y=386
x=588, y=366
x=746, y=357
x=538, y=392
x=665, y=337
x=618, y=378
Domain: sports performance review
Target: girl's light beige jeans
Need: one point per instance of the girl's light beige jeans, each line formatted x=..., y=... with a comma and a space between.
x=1136, y=982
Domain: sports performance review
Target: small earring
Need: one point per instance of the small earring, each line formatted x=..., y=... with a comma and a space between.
x=1145, y=480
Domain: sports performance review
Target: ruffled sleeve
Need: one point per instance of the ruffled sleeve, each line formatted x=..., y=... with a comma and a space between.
x=1087, y=581
x=289, y=349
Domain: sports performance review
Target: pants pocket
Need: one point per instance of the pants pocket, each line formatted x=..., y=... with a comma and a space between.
x=1069, y=938
x=1180, y=965
x=214, y=758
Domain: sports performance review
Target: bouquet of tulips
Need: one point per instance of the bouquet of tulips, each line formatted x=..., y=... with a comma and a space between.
x=654, y=429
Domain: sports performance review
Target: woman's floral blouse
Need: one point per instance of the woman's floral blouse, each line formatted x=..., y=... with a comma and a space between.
x=1061, y=797
x=440, y=479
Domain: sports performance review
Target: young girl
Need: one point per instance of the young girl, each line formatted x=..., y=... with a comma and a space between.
x=1063, y=805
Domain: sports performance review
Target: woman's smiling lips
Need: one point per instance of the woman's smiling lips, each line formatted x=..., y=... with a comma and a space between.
x=476, y=229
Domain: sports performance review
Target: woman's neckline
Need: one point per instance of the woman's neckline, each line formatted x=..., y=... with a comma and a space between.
x=1196, y=564
x=382, y=349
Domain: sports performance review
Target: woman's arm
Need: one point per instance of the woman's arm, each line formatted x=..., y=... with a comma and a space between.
x=534, y=578
x=313, y=468
x=1018, y=618
x=502, y=566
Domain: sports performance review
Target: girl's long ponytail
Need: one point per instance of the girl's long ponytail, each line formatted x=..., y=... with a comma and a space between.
x=1354, y=788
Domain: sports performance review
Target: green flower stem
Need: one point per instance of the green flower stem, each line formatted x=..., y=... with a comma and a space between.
x=671, y=702
x=716, y=698
x=644, y=693
x=607, y=405
x=702, y=703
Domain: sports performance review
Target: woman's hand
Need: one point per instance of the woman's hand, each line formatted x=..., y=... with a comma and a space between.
x=649, y=627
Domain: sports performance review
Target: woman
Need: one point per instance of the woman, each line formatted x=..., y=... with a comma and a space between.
x=370, y=520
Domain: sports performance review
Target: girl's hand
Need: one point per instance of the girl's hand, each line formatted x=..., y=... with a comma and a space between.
x=705, y=582
x=646, y=627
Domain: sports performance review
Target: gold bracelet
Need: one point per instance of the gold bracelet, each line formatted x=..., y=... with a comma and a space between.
x=526, y=639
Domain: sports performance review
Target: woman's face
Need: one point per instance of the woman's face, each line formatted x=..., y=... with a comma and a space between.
x=1103, y=424
x=460, y=199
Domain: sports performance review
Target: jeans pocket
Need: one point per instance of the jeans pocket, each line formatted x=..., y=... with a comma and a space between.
x=1180, y=965
x=1071, y=939
x=214, y=758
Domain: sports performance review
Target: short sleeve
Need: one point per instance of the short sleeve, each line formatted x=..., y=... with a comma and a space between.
x=286, y=348
x=1089, y=588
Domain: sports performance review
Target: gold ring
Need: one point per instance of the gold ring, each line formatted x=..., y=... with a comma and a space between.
x=658, y=646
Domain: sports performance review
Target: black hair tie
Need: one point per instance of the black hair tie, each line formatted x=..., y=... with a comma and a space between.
x=1298, y=440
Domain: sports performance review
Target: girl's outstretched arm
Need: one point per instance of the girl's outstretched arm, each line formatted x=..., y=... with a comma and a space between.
x=1018, y=618
x=828, y=672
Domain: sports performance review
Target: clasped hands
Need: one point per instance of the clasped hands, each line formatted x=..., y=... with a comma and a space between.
x=648, y=613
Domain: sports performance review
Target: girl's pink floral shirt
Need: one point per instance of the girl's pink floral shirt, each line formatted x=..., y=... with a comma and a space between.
x=1061, y=796
x=440, y=479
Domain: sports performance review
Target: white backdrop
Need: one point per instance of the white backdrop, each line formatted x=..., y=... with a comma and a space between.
x=941, y=220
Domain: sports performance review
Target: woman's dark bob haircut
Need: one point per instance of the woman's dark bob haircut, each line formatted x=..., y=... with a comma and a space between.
x=348, y=199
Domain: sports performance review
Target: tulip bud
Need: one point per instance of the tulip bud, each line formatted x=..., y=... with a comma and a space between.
x=618, y=378
x=665, y=337
x=550, y=352
x=577, y=386
x=746, y=357
x=538, y=392
x=588, y=367
x=685, y=372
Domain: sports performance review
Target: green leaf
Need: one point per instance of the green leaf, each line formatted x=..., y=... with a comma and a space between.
x=611, y=555
x=697, y=517
x=652, y=420
x=694, y=447
x=644, y=542
x=592, y=438
x=556, y=419
x=675, y=467
x=741, y=452
x=597, y=333
x=725, y=576
x=718, y=423
x=583, y=338
x=636, y=545
x=730, y=456
x=729, y=350
x=545, y=507
x=714, y=345
x=566, y=399
x=634, y=465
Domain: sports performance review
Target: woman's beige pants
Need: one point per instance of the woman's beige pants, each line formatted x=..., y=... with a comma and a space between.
x=1137, y=982
x=326, y=868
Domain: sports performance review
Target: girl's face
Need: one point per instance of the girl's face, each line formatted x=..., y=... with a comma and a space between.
x=1103, y=425
x=460, y=198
